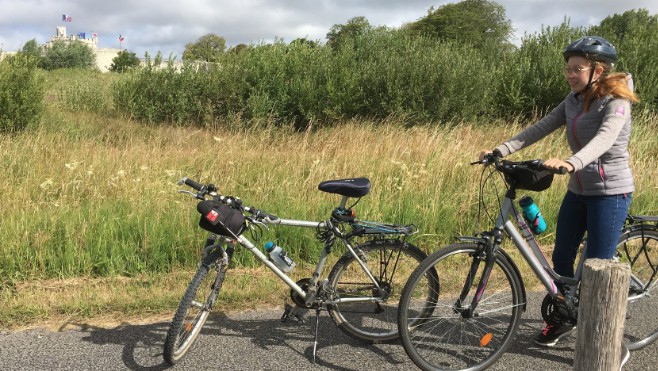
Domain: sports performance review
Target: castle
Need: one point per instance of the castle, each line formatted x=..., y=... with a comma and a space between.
x=104, y=56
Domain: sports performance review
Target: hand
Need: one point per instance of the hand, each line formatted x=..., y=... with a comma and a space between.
x=555, y=164
x=483, y=154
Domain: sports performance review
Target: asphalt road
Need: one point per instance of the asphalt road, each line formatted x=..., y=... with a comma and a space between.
x=256, y=340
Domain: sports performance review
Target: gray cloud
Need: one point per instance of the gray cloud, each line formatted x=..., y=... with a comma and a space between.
x=166, y=26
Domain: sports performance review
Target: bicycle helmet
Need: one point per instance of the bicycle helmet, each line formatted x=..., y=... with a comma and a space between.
x=593, y=48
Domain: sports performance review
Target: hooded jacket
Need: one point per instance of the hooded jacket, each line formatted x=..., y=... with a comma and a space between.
x=598, y=139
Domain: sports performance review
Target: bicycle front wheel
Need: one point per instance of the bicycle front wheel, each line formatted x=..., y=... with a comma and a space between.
x=193, y=310
x=452, y=336
x=365, y=312
x=639, y=248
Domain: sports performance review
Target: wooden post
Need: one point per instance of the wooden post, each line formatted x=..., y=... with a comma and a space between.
x=601, y=315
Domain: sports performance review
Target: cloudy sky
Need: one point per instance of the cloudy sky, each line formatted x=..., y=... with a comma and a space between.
x=166, y=25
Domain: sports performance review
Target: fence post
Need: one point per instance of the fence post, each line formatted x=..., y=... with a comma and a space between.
x=601, y=315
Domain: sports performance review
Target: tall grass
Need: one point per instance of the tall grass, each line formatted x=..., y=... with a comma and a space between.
x=102, y=200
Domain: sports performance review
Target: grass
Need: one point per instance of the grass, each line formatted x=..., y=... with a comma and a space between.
x=93, y=225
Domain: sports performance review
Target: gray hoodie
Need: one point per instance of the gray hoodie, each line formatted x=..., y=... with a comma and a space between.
x=598, y=139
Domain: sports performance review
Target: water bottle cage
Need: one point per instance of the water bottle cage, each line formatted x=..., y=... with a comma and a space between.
x=534, y=224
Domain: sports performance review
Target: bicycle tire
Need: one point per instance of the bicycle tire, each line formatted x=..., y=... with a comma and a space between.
x=373, y=320
x=639, y=248
x=446, y=340
x=193, y=310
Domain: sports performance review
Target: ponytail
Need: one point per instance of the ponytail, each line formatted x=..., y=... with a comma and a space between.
x=617, y=85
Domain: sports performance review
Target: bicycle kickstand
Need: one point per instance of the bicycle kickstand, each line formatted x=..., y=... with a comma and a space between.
x=315, y=341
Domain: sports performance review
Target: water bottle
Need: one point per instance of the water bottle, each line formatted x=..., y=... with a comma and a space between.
x=279, y=256
x=532, y=214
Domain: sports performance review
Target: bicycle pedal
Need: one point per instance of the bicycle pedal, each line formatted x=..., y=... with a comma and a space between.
x=286, y=313
x=299, y=318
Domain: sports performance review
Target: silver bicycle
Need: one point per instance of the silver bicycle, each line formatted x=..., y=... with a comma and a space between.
x=361, y=292
x=481, y=293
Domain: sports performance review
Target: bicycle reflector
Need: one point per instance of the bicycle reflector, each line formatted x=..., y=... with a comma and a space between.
x=486, y=339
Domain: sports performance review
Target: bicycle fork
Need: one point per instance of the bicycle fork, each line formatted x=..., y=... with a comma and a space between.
x=488, y=256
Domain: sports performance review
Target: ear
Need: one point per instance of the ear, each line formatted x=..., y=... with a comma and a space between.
x=598, y=71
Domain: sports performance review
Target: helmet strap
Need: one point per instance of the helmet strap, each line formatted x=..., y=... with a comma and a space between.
x=589, y=82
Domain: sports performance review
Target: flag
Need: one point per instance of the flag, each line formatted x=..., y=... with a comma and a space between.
x=66, y=18
x=120, y=38
x=94, y=35
x=82, y=35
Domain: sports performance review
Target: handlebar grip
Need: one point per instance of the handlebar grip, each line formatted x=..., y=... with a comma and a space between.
x=192, y=183
x=562, y=170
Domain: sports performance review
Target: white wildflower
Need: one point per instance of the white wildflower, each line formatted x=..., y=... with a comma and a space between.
x=45, y=185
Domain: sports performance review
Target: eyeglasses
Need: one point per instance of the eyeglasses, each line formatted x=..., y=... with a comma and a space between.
x=574, y=70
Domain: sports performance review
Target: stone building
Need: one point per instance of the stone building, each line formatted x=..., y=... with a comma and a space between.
x=104, y=56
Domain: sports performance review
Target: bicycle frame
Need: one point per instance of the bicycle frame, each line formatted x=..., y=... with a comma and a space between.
x=311, y=294
x=527, y=244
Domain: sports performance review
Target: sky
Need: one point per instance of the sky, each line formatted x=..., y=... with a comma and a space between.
x=166, y=26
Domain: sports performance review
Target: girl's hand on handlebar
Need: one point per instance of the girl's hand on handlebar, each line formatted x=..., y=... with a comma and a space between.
x=555, y=164
x=483, y=154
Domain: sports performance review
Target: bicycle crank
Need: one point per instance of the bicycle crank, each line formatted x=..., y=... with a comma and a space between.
x=558, y=312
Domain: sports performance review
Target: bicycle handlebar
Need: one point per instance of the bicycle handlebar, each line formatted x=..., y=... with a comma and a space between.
x=235, y=202
x=536, y=164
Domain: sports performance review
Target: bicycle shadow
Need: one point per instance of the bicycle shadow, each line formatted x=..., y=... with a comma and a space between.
x=231, y=339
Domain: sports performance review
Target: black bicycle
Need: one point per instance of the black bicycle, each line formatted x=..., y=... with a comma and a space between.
x=481, y=293
x=361, y=293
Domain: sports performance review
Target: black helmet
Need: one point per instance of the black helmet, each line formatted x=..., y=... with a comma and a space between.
x=593, y=48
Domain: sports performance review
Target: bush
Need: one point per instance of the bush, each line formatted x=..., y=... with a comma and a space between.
x=381, y=73
x=63, y=54
x=21, y=93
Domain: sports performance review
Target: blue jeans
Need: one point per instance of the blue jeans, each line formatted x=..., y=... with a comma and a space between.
x=602, y=217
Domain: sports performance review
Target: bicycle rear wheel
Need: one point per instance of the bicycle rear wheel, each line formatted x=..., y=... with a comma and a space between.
x=372, y=315
x=193, y=310
x=449, y=338
x=639, y=248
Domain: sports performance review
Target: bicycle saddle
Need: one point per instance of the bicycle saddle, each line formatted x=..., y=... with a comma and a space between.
x=354, y=187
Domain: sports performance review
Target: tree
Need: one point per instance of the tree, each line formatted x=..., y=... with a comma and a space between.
x=339, y=32
x=124, y=61
x=479, y=23
x=634, y=35
x=208, y=49
x=64, y=54
x=32, y=50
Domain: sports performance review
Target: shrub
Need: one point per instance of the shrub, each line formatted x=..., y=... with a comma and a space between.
x=21, y=93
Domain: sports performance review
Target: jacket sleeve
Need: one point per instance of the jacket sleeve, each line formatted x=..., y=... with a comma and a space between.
x=548, y=124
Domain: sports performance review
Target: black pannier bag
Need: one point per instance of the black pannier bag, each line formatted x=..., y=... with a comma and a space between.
x=220, y=219
x=529, y=179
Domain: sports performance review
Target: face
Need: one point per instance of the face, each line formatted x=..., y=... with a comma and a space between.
x=577, y=72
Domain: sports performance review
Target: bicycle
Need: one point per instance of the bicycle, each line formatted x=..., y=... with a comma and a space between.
x=360, y=293
x=482, y=294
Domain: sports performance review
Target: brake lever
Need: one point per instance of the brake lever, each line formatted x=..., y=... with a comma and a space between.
x=259, y=223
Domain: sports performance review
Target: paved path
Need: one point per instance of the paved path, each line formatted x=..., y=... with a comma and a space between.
x=256, y=341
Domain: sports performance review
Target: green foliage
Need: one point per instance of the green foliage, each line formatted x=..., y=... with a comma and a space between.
x=479, y=23
x=124, y=61
x=80, y=90
x=379, y=73
x=21, y=93
x=634, y=33
x=208, y=48
x=32, y=50
x=531, y=78
x=354, y=27
x=63, y=54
